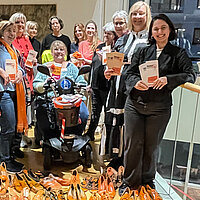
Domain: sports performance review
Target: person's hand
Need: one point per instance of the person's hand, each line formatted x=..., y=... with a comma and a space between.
x=108, y=73
x=18, y=78
x=140, y=85
x=5, y=76
x=160, y=83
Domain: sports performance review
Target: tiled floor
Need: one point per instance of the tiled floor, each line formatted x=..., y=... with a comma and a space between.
x=34, y=160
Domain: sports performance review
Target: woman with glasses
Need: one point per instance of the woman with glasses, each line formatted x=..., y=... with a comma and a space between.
x=120, y=21
x=138, y=23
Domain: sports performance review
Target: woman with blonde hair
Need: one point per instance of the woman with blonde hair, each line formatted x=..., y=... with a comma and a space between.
x=23, y=45
x=139, y=20
x=88, y=47
x=79, y=36
x=32, y=30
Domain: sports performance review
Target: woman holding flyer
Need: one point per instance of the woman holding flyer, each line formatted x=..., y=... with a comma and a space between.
x=24, y=46
x=138, y=22
x=68, y=69
x=11, y=93
x=148, y=106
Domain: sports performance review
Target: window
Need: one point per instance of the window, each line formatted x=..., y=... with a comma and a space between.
x=166, y=5
x=196, y=37
x=198, y=6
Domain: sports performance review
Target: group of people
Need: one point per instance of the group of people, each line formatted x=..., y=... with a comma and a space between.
x=136, y=114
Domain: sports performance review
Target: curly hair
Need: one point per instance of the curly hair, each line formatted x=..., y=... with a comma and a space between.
x=59, y=20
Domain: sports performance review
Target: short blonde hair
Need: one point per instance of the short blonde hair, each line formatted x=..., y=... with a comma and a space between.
x=30, y=24
x=58, y=43
x=17, y=16
x=134, y=8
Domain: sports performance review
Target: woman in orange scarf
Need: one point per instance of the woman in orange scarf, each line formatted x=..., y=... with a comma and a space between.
x=11, y=92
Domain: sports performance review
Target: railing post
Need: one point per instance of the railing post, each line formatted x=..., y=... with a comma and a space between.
x=189, y=163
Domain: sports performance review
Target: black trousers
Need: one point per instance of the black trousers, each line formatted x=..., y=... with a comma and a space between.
x=145, y=125
x=98, y=101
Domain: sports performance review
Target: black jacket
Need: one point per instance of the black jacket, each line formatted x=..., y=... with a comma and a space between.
x=97, y=78
x=174, y=63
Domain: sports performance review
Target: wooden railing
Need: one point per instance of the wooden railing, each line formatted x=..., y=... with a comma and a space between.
x=192, y=87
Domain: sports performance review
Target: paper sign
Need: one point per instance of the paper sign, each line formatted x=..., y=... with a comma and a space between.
x=56, y=70
x=10, y=68
x=31, y=57
x=115, y=62
x=105, y=50
x=149, y=72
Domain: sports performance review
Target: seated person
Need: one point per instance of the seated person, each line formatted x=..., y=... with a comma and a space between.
x=58, y=50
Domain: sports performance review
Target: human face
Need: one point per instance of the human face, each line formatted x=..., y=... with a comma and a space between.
x=59, y=53
x=9, y=34
x=160, y=32
x=55, y=25
x=79, y=33
x=20, y=27
x=139, y=18
x=90, y=30
x=120, y=26
x=32, y=31
x=108, y=37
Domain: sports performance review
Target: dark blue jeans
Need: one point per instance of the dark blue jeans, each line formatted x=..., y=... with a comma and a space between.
x=7, y=117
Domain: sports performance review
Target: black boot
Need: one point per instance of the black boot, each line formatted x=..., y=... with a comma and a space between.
x=5, y=154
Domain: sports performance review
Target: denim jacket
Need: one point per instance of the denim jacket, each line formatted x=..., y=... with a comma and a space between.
x=3, y=56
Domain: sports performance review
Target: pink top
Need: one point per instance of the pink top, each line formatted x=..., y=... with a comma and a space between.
x=85, y=49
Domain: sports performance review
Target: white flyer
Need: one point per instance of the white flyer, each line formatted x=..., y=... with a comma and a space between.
x=106, y=49
x=149, y=72
x=10, y=68
x=31, y=57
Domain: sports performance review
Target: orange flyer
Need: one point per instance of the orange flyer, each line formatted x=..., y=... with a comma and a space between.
x=56, y=70
x=115, y=62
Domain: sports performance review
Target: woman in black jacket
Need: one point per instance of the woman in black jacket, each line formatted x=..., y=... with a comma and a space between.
x=148, y=108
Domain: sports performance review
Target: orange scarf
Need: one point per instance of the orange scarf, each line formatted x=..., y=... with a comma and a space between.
x=22, y=123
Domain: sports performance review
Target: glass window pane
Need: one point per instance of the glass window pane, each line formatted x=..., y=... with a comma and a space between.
x=166, y=5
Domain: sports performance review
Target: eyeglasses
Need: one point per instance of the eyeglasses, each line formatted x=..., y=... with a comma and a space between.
x=119, y=23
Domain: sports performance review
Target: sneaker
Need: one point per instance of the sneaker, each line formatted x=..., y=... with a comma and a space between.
x=13, y=166
x=122, y=188
x=18, y=153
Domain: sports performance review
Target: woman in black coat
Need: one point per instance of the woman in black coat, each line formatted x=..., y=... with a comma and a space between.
x=148, y=108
